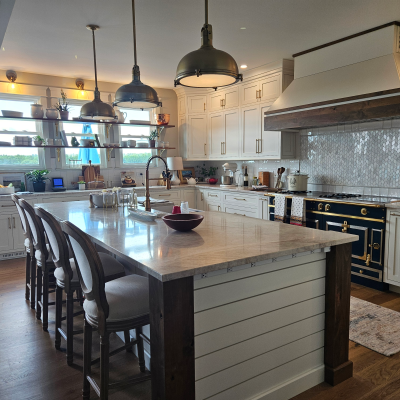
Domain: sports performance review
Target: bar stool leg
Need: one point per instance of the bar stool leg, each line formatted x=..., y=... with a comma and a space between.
x=70, y=327
x=27, y=274
x=87, y=359
x=45, y=301
x=33, y=282
x=127, y=338
x=59, y=292
x=140, y=346
x=104, y=365
x=39, y=292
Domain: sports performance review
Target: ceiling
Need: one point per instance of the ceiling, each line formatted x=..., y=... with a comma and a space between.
x=49, y=36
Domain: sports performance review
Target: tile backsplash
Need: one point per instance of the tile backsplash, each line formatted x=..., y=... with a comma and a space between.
x=360, y=158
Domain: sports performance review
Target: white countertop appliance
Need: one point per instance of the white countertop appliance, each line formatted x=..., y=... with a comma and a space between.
x=297, y=181
x=227, y=179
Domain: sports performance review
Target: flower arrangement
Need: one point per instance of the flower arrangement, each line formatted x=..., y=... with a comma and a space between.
x=62, y=104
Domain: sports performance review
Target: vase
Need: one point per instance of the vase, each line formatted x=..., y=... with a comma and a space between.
x=39, y=186
x=82, y=186
x=152, y=143
x=37, y=111
x=38, y=143
x=64, y=115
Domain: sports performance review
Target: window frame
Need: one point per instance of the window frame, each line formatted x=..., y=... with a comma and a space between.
x=39, y=131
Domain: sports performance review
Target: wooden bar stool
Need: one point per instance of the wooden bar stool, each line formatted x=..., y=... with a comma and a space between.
x=30, y=261
x=118, y=305
x=67, y=277
x=44, y=262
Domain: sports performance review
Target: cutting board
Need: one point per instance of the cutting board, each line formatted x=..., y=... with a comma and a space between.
x=90, y=173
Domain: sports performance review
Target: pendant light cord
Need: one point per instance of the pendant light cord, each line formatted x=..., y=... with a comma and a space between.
x=95, y=64
x=134, y=31
x=206, y=4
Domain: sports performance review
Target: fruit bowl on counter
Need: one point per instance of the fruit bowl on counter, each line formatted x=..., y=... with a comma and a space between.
x=183, y=222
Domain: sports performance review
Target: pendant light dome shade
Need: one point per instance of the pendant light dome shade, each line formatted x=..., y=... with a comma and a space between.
x=207, y=67
x=136, y=94
x=96, y=109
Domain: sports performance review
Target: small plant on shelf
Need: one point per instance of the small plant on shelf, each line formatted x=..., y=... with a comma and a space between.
x=153, y=137
x=62, y=106
x=38, y=178
x=38, y=140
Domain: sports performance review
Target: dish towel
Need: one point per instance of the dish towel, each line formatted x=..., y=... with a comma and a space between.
x=280, y=208
x=298, y=212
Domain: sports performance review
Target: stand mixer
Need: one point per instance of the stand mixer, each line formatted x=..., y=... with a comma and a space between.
x=227, y=179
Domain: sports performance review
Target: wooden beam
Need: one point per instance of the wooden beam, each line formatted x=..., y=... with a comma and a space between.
x=338, y=368
x=172, y=339
x=361, y=111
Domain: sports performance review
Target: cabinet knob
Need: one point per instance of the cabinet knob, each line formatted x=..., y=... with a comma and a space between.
x=361, y=271
x=327, y=207
x=364, y=211
x=345, y=227
x=320, y=207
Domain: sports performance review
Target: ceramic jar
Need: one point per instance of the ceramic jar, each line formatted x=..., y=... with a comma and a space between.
x=37, y=111
x=51, y=113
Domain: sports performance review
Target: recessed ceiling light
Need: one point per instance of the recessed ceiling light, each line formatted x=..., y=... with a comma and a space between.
x=76, y=57
x=243, y=27
x=243, y=66
x=3, y=49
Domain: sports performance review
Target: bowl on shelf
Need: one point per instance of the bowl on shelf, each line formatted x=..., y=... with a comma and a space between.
x=142, y=144
x=12, y=114
x=131, y=143
x=163, y=119
x=183, y=222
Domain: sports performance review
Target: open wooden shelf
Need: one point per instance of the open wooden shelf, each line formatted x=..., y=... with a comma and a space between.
x=86, y=121
x=91, y=147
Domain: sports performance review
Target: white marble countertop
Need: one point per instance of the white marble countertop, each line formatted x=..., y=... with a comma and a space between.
x=394, y=204
x=220, y=241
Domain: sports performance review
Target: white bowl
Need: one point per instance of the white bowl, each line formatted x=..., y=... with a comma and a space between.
x=142, y=144
x=12, y=114
x=131, y=143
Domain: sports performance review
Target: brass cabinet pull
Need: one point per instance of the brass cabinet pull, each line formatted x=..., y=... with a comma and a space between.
x=361, y=271
x=320, y=207
x=9, y=205
x=220, y=103
x=257, y=146
x=368, y=260
x=223, y=103
x=219, y=208
x=205, y=144
x=327, y=207
x=260, y=146
x=239, y=199
x=13, y=222
x=212, y=195
x=221, y=148
x=163, y=195
x=392, y=214
x=345, y=227
x=375, y=246
x=9, y=223
x=364, y=211
x=204, y=106
x=201, y=197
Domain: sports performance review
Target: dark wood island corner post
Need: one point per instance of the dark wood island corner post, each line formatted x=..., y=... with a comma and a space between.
x=172, y=339
x=338, y=367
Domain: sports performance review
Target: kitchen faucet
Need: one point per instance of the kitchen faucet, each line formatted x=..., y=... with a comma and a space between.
x=166, y=176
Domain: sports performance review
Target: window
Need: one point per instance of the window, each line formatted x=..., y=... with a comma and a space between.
x=138, y=133
x=75, y=157
x=12, y=158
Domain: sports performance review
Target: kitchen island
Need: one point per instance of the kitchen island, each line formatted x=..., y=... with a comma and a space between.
x=239, y=308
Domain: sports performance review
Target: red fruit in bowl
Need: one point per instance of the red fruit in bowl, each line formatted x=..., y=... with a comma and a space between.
x=213, y=181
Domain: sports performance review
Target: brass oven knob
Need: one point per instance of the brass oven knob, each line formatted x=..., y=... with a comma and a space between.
x=320, y=206
x=361, y=271
x=327, y=207
x=364, y=211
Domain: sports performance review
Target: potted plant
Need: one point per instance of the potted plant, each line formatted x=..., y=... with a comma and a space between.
x=38, y=140
x=208, y=173
x=82, y=185
x=38, y=178
x=62, y=106
x=153, y=137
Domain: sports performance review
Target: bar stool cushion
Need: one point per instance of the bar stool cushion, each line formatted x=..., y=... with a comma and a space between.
x=127, y=298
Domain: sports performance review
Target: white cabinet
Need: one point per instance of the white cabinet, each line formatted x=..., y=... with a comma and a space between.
x=260, y=90
x=251, y=130
x=11, y=233
x=224, y=99
x=246, y=212
x=249, y=92
x=200, y=199
x=197, y=137
x=215, y=101
x=265, y=209
x=213, y=207
x=182, y=105
x=196, y=104
x=392, y=251
x=189, y=196
x=212, y=200
x=223, y=135
x=17, y=232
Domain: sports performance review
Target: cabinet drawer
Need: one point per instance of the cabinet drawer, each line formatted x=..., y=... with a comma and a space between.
x=247, y=212
x=239, y=199
x=212, y=195
x=366, y=272
x=167, y=195
x=6, y=205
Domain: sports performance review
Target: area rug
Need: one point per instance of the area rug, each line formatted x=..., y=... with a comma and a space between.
x=374, y=327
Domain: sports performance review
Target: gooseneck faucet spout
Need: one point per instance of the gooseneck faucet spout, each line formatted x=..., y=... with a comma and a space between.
x=166, y=177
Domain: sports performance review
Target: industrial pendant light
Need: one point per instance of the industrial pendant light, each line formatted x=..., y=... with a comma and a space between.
x=207, y=67
x=136, y=94
x=96, y=109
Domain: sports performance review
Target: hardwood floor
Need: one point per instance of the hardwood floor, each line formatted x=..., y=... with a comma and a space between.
x=31, y=368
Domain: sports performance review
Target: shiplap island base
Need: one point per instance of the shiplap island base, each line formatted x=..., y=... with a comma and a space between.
x=240, y=308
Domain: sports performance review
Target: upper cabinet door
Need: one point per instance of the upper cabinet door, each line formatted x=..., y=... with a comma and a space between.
x=182, y=105
x=270, y=143
x=232, y=133
x=197, y=137
x=231, y=97
x=197, y=104
x=216, y=135
x=251, y=131
x=249, y=93
x=270, y=88
x=215, y=101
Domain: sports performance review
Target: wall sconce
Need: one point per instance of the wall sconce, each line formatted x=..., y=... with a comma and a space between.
x=11, y=77
x=80, y=84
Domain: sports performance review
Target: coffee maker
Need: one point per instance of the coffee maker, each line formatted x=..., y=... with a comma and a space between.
x=227, y=179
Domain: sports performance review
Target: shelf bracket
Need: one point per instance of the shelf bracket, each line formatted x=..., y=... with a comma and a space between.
x=58, y=153
x=109, y=150
x=56, y=126
x=108, y=130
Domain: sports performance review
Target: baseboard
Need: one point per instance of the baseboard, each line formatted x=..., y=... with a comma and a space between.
x=295, y=386
x=15, y=254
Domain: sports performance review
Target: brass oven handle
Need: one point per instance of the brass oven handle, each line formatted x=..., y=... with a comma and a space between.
x=364, y=211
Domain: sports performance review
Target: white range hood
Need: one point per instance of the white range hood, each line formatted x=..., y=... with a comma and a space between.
x=351, y=70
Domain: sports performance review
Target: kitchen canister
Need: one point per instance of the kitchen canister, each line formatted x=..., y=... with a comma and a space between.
x=297, y=182
x=37, y=111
